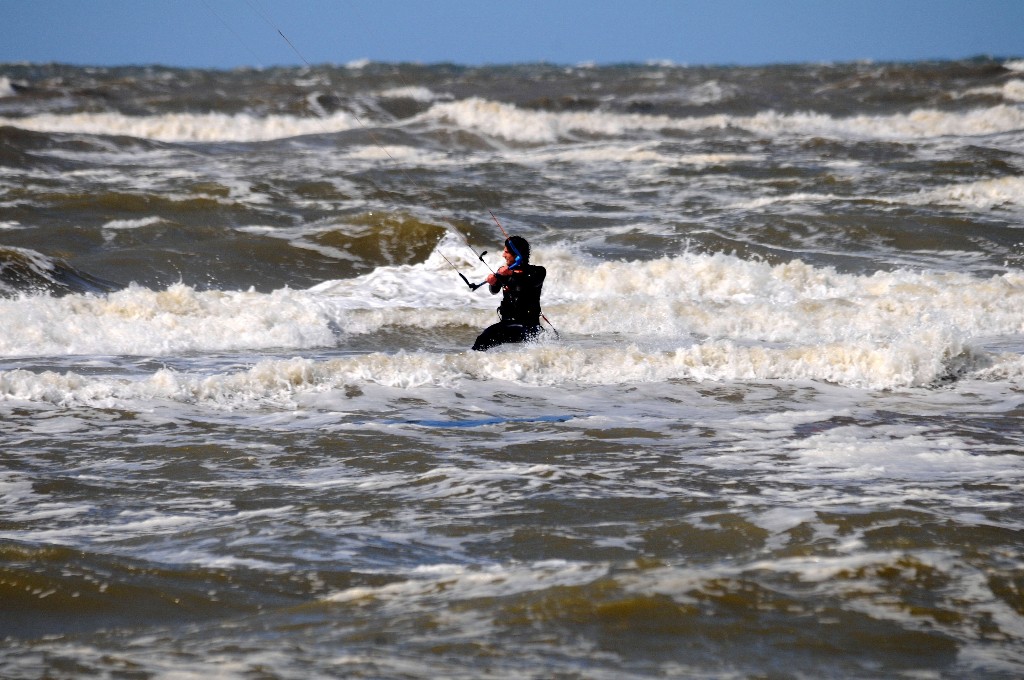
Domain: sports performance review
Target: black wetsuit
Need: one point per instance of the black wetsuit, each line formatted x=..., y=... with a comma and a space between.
x=519, y=310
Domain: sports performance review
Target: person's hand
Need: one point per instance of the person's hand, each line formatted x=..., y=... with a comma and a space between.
x=492, y=279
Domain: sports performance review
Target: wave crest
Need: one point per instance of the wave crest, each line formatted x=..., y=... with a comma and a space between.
x=509, y=122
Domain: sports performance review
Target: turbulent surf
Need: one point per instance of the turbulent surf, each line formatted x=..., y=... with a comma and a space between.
x=779, y=433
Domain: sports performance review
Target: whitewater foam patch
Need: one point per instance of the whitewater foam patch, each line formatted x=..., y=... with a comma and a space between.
x=1011, y=91
x=644, y=154
x=186, y=127
x=471, y=583
x=539, y=127
x=133, y=224
x=852, y=453
x=982, y=195
x=138, y=321
x=508, y=122
x=317, y=384
x=693, y=316
x=416, y=93
x=799, y=198
x=710, y=92
x=918, y=124
x=511, y=123
x=986, y=194
x=725, y=296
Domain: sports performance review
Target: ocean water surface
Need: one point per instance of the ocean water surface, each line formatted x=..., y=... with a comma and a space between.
x=774, y=428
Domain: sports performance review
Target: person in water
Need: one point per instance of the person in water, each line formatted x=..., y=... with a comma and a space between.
x=521, y=283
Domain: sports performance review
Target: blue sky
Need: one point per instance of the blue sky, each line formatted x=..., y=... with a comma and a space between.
x=230, y=33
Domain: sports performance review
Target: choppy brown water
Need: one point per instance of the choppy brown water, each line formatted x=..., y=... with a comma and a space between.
x=778, y=436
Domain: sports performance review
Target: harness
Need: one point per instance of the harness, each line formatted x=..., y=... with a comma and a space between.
x=520, y=302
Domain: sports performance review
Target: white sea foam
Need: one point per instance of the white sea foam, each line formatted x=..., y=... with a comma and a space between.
x=710, y=92
x=420, y=94
x=792, y=301
x=178, y=319
x=186, y=127
x=695, y=317
x=801, y=198
x=986, y=194
x=1011, y=90
x=538, y=127
x=470, y=583
x=133, y=224
x=41, y=266
x=299, y=381
x=647, y=154
x=509, y=122
x=1014, y=91
x=6, y=88
x=903, y=453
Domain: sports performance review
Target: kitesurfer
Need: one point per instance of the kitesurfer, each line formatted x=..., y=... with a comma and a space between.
x=520, y=283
